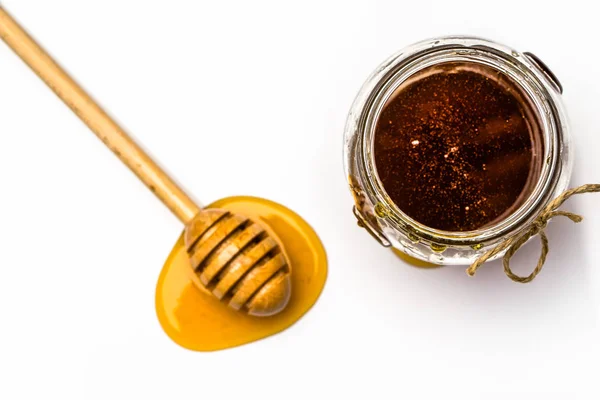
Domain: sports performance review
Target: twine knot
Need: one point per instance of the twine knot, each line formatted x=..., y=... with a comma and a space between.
x=535, y=228
x=540, y=223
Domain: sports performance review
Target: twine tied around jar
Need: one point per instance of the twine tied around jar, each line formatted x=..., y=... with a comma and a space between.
x=537, y=227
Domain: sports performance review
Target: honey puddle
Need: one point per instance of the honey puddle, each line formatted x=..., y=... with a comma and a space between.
x=414, y=262
x=193, y=318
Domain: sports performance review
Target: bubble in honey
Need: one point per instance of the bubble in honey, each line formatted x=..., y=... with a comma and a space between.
x=195, y=319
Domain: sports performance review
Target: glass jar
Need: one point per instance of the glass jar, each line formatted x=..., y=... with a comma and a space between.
x=381, y=217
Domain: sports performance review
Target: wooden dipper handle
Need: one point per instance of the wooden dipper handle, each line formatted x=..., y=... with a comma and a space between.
x=107, y=130
x=231, y=256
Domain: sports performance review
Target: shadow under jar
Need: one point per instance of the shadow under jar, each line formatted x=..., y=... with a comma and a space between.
x=453, y=145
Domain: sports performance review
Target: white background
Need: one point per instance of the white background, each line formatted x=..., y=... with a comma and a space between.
x=82, y=242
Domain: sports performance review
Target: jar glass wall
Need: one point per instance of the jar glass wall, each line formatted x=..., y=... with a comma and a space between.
x=374, y=208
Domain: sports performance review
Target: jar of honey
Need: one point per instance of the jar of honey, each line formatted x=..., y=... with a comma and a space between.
x=453, y=145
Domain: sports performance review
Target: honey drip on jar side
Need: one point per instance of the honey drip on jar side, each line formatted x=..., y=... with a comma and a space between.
x=193, y=318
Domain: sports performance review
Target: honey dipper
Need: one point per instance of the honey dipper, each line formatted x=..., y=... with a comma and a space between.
x=234, y=257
